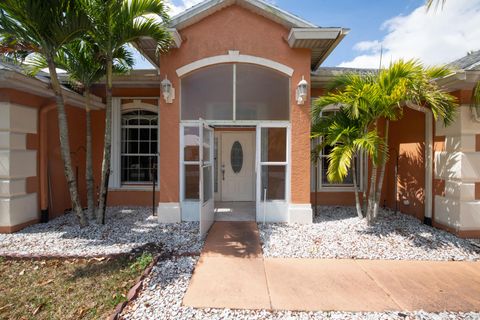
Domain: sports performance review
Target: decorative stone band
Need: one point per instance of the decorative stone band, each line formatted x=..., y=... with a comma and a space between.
x=234, y=57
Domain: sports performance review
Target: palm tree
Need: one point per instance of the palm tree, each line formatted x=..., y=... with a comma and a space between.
x=80, y=59
x=359, y=97
x=374, y=97
x=348, y=139
x=47, y=27
x=410, y=82
x=435, y=3
x=117, y=23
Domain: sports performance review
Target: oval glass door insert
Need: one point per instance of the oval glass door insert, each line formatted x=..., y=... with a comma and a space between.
x=236, y=157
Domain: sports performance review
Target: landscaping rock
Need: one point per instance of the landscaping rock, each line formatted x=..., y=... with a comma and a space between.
x=337, y=232
x=126, y=229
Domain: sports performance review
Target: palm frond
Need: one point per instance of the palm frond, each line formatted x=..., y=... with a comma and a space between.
x=435, y=4
x=118, y=22
x=476, y=96
x=339, y=162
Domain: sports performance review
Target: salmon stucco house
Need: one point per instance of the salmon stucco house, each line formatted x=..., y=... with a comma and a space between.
x=225, y=119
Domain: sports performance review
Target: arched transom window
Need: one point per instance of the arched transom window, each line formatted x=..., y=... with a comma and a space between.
x=235, y=92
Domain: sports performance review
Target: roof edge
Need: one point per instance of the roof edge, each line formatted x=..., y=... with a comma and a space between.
x=18, y=81
x=206, y=8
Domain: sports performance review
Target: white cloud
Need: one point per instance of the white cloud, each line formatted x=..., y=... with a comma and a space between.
x=374, y=46
x=179, y=6
x=435, y=37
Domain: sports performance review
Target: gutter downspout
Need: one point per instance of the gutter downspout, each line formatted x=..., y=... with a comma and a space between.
x=43, y=172
x=428, y=160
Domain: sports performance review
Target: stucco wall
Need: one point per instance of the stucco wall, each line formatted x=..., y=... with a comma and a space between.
x=407, y=150
x=235, y=28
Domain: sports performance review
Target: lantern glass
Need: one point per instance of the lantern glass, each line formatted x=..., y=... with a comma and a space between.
x=166, y=87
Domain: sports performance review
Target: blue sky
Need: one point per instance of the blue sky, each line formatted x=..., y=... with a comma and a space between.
x=364, y=18
x=403, y=28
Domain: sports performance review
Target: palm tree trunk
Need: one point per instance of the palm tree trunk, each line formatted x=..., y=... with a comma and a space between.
x=355, y=187
x=107, y=147
x=382, y=171
x=371, y=194
x=371, y=190
x=65, y=143
x=364, y=209
x=89, y=161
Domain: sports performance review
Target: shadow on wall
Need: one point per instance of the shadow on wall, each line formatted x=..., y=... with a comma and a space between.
x=411, y=179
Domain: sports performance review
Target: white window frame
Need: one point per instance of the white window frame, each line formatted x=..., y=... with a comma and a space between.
x=278, y=209
x=361, y=169
x=261, y=164
x=115, y=173
x=184, y=163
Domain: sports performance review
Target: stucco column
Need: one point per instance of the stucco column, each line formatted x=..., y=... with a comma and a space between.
x=169, y=206
x=18, y=208
x=459, y=166
x=300, y=208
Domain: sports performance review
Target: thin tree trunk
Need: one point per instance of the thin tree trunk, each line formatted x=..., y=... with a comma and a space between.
x=371, y=190
x=107, y=147
x=364, y=209
x=382, y=171
x=89, y=161
x=371, y=195
x=65, y=143
x=364, y=200
x=355, y=187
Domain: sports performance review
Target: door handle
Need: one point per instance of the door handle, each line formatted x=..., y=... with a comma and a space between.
x=223, y=172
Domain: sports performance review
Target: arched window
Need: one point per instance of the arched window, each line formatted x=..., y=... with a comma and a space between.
x=235, y=92
x=139, y=146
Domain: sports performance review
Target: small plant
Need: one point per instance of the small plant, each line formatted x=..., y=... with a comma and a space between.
x=116, y=299
x=142, y=262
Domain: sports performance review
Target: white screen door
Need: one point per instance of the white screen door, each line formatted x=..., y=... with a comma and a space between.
x=207, y=207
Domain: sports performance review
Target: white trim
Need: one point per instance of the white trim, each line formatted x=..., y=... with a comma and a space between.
x=115, y=183
x=234, y=58
x=206, y=8
x=137, y=104
x=273, y=212
x=280, y=205
x=300, y=213
x=176, y=37
x=127, y=187
x=234, y=92
x=115, y=174
x=169, y=212
x=313, y=34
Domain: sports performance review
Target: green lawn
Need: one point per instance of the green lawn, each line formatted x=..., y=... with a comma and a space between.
x=66, y=289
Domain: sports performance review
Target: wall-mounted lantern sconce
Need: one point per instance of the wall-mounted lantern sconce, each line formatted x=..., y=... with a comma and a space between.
x=302, y=91
x=168, y=91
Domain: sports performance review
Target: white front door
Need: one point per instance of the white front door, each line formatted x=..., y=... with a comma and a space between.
x=237, y=168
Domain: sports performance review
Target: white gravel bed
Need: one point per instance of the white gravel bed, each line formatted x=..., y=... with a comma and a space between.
x=337, y=232
x=125, y=229
x=165, y=287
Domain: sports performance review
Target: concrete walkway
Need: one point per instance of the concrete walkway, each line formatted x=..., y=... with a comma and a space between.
x=232, y=273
